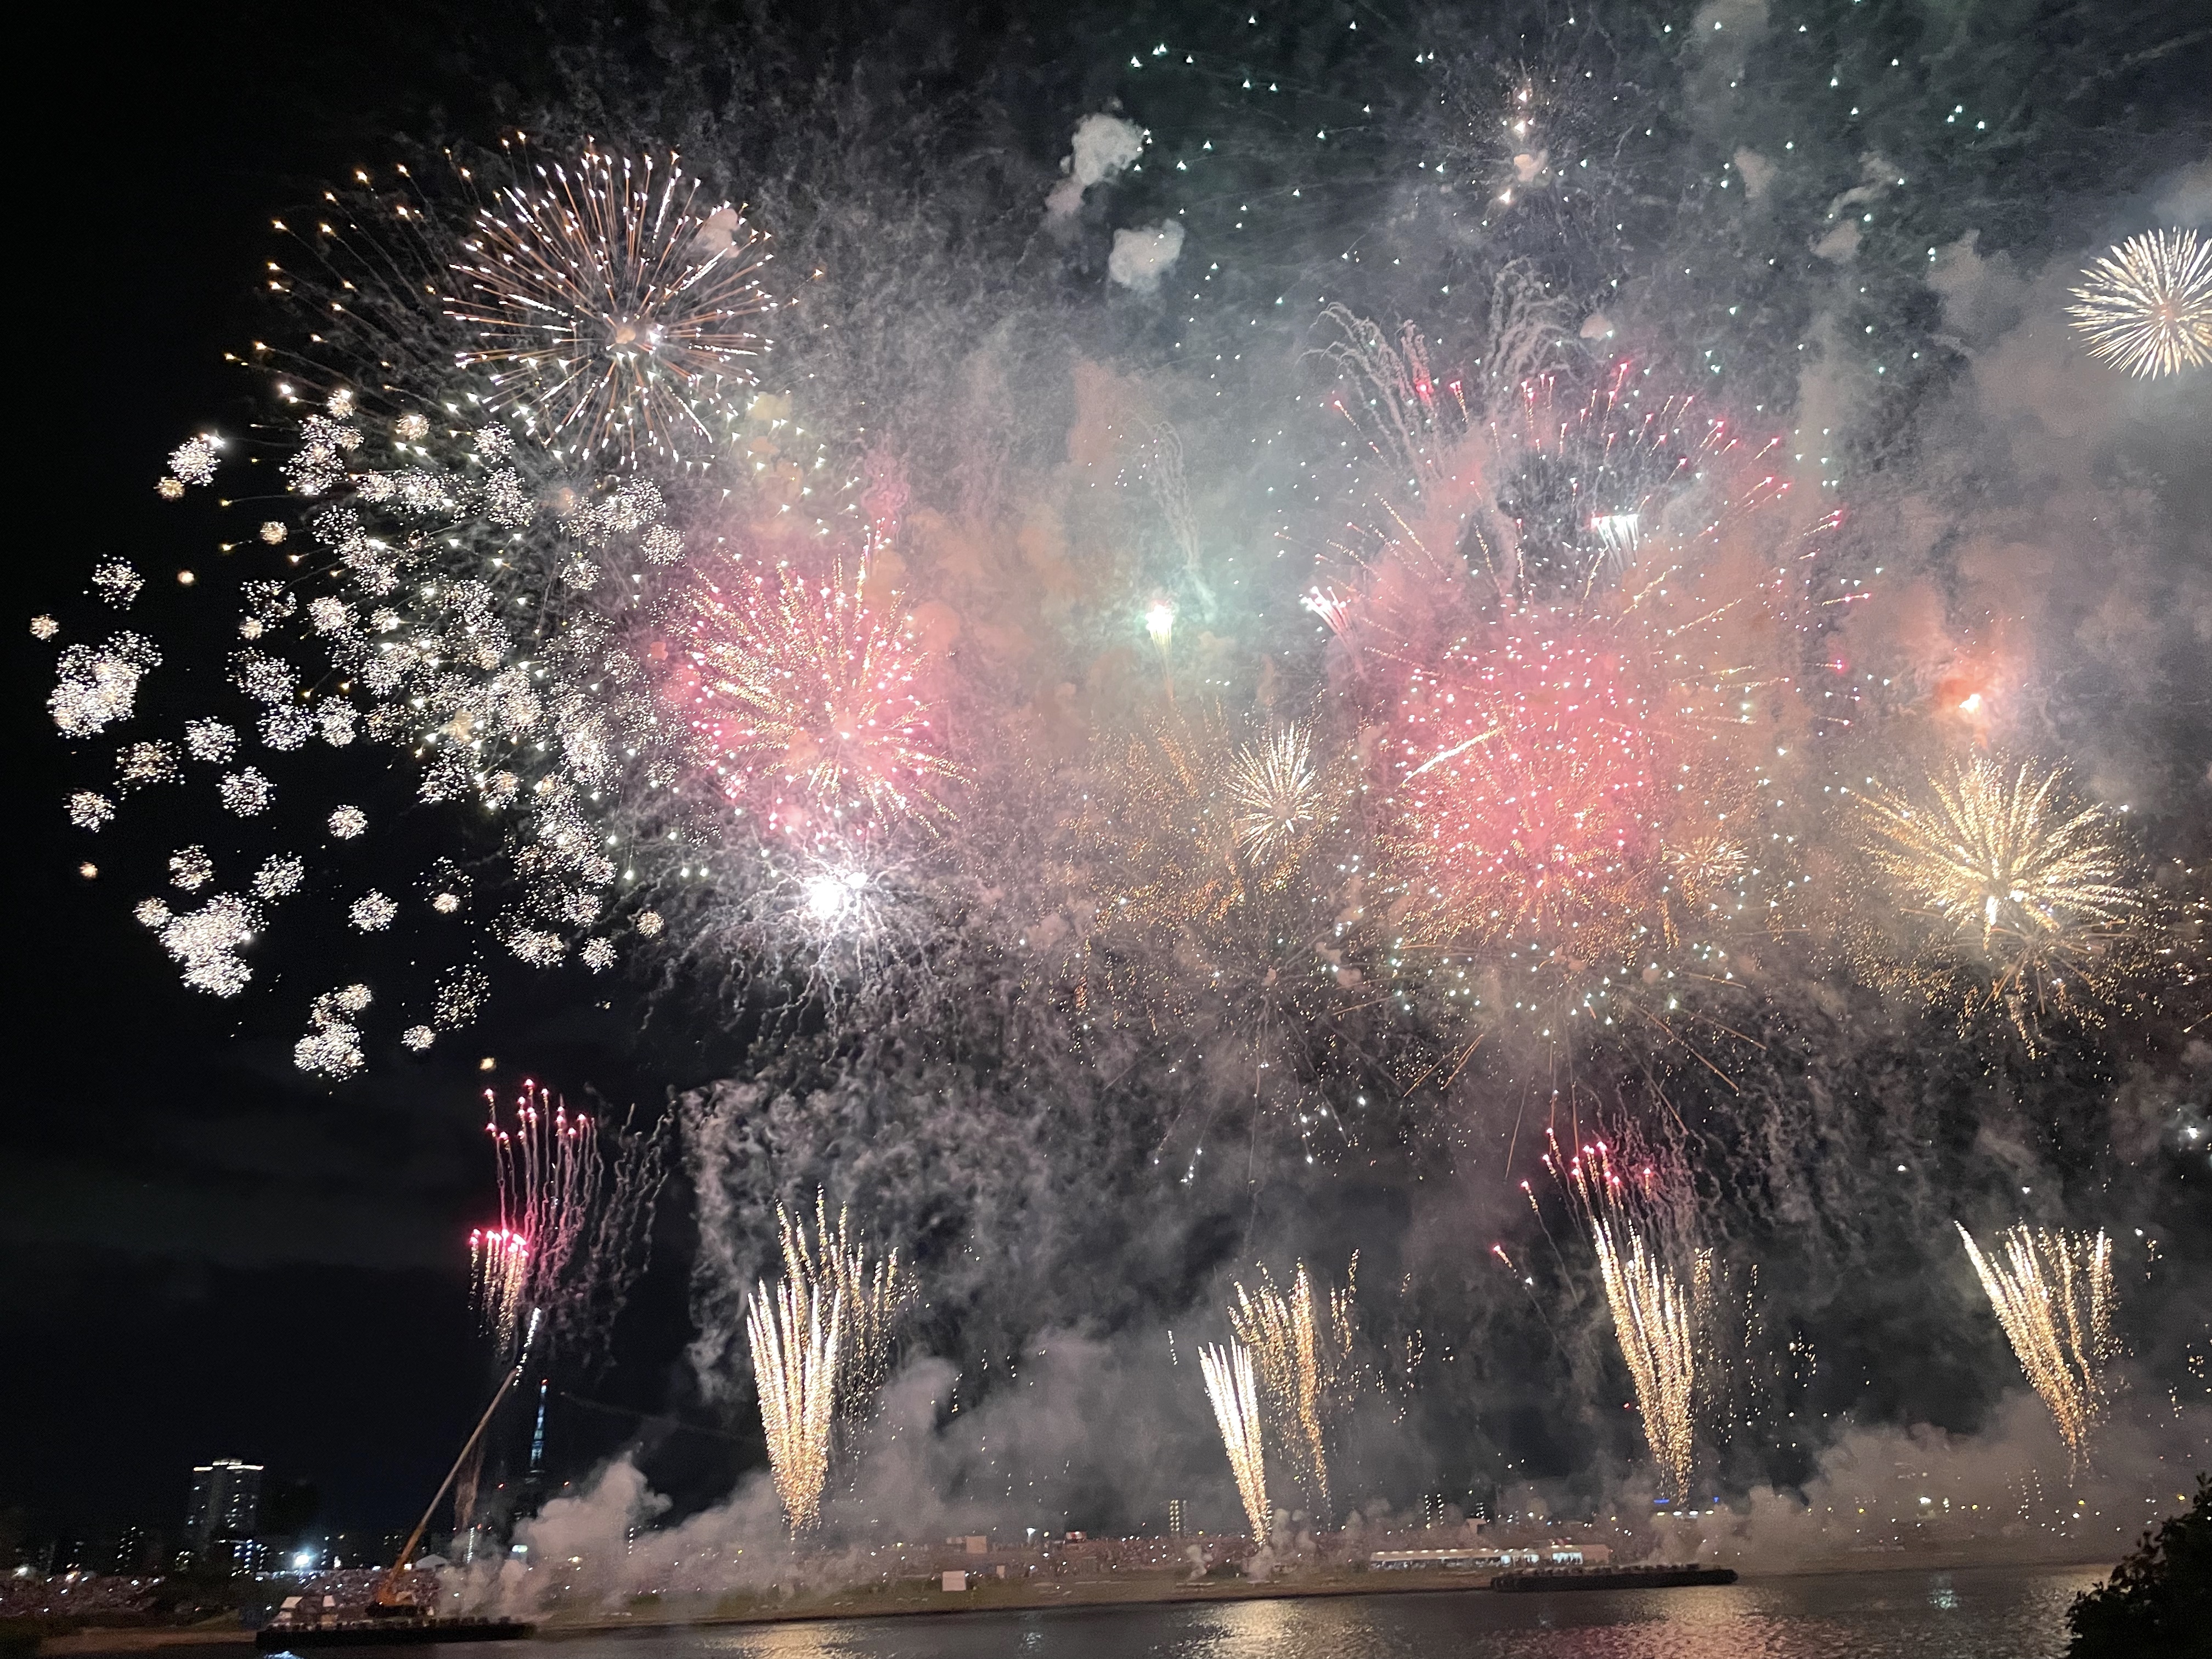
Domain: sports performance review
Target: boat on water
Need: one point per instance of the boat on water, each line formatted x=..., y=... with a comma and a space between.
x=1581, y=1578
x=386, y=1632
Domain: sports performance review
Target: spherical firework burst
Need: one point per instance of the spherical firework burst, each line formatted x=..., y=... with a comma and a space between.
x=1578, y=626
x=1527, y=775
x=2146, y=307
x=1277, y=793
x=805, y=698
x=441, y=589
x=614, y=306
x=2006, y=872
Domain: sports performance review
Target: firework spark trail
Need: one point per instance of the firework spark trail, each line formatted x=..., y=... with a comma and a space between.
x=549, y=1170
x=611, y=309
x=1230, y=1387
x=499, y=1278
x=1300, y=1343
x=831, y=1264
x=1653, y=1320
x=2005, y=866
x=2146, y=307
x=1654, y=1313
x=2052, y=1292
x=795, y=1352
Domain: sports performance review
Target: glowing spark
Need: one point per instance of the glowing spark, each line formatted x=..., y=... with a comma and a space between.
x=1159, y=621
x=2052, y=1292
x=2146, y=307
x=1236, y=1398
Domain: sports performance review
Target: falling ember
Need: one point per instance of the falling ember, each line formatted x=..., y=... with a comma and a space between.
x=2147, y=305
x=1300, y=1343
x=614, y=307
x=794, y=1350
x=2052, y=1292
x=1230, y=1387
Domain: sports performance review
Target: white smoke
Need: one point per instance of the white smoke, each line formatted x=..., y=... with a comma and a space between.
x=1141, y=256
x=1104, y=145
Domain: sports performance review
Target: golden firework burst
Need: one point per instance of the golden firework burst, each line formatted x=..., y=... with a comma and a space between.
x=834, y=1267
x=1276, y=791
x=795, y=1338
x=2147, y=305
x=2005, y=870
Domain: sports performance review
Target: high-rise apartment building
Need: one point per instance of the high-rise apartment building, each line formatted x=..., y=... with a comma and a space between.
x=226, y=1502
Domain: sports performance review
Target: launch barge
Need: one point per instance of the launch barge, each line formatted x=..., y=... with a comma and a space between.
x=387, y=1632
x=1589, y=1578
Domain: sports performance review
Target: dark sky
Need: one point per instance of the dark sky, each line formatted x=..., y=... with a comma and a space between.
x=204, y=1255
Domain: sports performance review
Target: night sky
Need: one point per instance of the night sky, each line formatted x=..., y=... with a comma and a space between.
x=204, y=1252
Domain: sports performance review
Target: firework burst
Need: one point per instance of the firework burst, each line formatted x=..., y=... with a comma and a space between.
x=2011, y=874
x=795, y=1340
x=1276, y=792
x=1301, y=1341
x=573, y=1225
x=805, y=699
x=2052, y=1292
x=2147, y=305
x=613, y=306
x=1234, y=1394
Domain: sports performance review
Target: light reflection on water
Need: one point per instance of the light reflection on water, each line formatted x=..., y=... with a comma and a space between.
x=1981, y=1613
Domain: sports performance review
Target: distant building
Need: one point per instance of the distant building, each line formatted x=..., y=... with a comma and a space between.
x=226, y=1503
x=1174, y=1518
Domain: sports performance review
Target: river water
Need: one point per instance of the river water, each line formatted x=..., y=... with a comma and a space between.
x=1984, y=1613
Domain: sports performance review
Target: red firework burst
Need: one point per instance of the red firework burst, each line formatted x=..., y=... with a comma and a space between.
x=804, y=696
x=1525, y=779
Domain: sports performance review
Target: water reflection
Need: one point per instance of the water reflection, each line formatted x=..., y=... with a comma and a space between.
x=1983, y=1613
